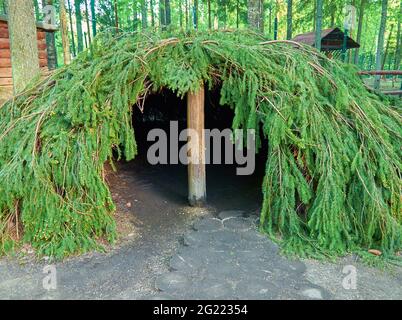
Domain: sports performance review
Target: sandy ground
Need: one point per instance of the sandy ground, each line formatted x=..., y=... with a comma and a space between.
x=154, y=218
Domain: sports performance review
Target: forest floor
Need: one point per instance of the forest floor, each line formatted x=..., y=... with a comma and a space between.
x=169, y=250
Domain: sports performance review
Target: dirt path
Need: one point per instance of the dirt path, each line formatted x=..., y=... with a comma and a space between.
x=152, y=200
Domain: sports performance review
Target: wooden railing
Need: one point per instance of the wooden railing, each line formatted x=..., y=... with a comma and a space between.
x=385, y=73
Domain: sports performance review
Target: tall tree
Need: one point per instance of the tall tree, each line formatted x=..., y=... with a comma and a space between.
x=88, y=23
x=186, y=13
x=318, y=25
x=78, y=19
x=144, y=15
x=254, y=14
x=398, y=51
x=384, y=59
x=237, y=13
x=135, y=15
x=64, y=33
x=151, y=4
x=93, y=16
x=168, y=15
x=116, y=15
x=162, y=14
x=359, y=29
x=180, y=13
x=209, y=14
x=289, y=19
x=23, y=42
x=380, y=42
x=70, y=15
x=195, y=14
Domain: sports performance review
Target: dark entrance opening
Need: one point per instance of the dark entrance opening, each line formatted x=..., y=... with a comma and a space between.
x=225, y=189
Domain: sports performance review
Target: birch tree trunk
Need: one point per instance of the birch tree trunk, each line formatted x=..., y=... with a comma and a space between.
x=23, y=42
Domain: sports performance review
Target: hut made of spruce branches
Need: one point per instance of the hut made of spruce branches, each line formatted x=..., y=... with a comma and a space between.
x=332, y=182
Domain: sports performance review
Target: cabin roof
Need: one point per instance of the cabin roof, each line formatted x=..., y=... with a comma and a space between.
x=331, y=39
x=39, y=24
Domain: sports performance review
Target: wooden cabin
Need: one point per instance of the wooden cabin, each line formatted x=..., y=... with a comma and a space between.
x=6, y=81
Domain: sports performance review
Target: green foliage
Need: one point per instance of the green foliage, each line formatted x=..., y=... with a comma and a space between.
x=333, y=174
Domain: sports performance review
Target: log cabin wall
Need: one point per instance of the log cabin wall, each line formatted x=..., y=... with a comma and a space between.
x=6, y=81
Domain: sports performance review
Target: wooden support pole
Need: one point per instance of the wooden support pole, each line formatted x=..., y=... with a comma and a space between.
x=196, y=151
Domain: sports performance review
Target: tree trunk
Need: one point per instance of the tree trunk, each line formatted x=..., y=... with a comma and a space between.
x=78, y=18
x=196, y=14
x=270, y=21
x=262, y=15
x=318, y=26
x=135, y=16
x=181, y=13
x=64, y=33
x=162, y=14
x=387, y=47
x=151, y=4
x=289, y=20
x=359, y=29
x=116, y=15
x=237, y=14
x=380, y=42
x=144, y=15
x=93, y=16
x=88, y=24
x=71, y=27
x=23, y=43
x=51, y=44
x=398, y=51
x=168, y=13
x=186, y=9
x=210, y=18
x=253, y=14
